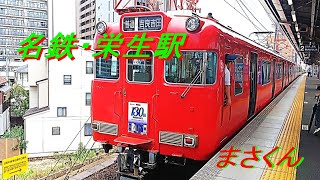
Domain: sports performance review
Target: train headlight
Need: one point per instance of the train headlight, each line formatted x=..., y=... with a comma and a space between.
x=101, y=27
x=192, y=23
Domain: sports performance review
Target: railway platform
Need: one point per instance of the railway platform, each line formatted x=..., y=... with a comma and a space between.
x=273, y=142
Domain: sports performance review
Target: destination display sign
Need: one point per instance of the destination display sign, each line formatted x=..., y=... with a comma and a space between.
x=309, y=48
x=142, y=23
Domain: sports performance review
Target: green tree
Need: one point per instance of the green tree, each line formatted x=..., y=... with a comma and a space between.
x=19, y=100
x=17, y=132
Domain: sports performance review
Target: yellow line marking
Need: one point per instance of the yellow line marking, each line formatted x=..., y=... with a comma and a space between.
x=289, y=137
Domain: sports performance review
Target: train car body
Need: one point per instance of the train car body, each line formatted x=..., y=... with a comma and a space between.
x=152, y=105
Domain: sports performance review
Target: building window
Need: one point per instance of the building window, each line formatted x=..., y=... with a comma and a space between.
x=89, y=67
x=67, y=79
x=88, y=99
x=238, y=76
x=55, y=130
x=87, y=129
x=62, y=111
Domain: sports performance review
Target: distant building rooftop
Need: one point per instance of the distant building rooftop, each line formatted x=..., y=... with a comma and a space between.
x=3, y=80
x=35, y=110
x=5, y=88
x=22, y=69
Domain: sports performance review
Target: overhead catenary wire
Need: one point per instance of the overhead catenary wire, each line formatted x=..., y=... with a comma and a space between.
x=253, y=15
x=67, y=148
x=248, y=18
x=243, y=15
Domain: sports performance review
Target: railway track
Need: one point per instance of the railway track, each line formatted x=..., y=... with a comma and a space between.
x=164, y=171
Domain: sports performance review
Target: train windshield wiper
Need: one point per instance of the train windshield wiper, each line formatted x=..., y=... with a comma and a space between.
x=194, y=80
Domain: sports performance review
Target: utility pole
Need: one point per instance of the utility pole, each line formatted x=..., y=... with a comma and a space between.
x=7, y=62
x=275, y=37
x=7, y=69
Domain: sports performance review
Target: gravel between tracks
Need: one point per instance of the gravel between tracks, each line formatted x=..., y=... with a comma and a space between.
x=108, y=173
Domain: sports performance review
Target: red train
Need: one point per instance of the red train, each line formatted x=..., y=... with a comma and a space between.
x=174, y=110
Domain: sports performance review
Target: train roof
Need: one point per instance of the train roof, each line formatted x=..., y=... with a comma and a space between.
x=226, y=30
x=208, y=21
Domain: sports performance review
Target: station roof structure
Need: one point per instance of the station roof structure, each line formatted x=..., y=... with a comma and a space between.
x=301, y=20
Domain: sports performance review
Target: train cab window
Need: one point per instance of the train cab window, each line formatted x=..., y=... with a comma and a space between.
x=266, y=67
x=238, y=76
x=187, y=70
x=107, y=68
x=140, y=70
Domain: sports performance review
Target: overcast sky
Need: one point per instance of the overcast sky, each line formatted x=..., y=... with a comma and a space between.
x=230, y=13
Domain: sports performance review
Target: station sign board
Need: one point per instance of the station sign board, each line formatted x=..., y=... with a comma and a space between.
x=14, y=166
x=309, y=48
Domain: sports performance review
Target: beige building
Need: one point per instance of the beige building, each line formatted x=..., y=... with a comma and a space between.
x=86, y=15
x=283, y=46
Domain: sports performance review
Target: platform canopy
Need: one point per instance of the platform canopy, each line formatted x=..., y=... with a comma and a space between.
x=302, y=21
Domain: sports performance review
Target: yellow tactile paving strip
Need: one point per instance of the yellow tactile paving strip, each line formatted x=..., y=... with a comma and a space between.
x=288, y=138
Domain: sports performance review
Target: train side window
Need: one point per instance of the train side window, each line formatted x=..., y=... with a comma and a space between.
x=140, y=70
x=107, y=68
x=238, y=76
x=186, y=70
x=279, y=71
x=266, y=66
x=211, y=69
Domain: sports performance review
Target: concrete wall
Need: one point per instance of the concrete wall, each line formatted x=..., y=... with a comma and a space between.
x=43, y=94
x=37, y=70
x=6, y=150
x=4, y=121
x=33, y=97
x=42, y=142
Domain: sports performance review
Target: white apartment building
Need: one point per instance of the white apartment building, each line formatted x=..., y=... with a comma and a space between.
x=59, y=91
x=60, y=99
x=105, y=9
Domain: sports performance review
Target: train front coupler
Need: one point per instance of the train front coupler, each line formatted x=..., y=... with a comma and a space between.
x=131, y=163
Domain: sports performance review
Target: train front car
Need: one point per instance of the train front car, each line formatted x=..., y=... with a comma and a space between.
x=166, y=109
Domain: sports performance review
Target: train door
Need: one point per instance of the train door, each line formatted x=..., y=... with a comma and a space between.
x=253, y=83
x=139, y=89
x=106, y=90
x=273, y=76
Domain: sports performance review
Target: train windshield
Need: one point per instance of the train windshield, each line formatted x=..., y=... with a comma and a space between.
x=107, y=68
x=184, y=71
x=140, y=70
